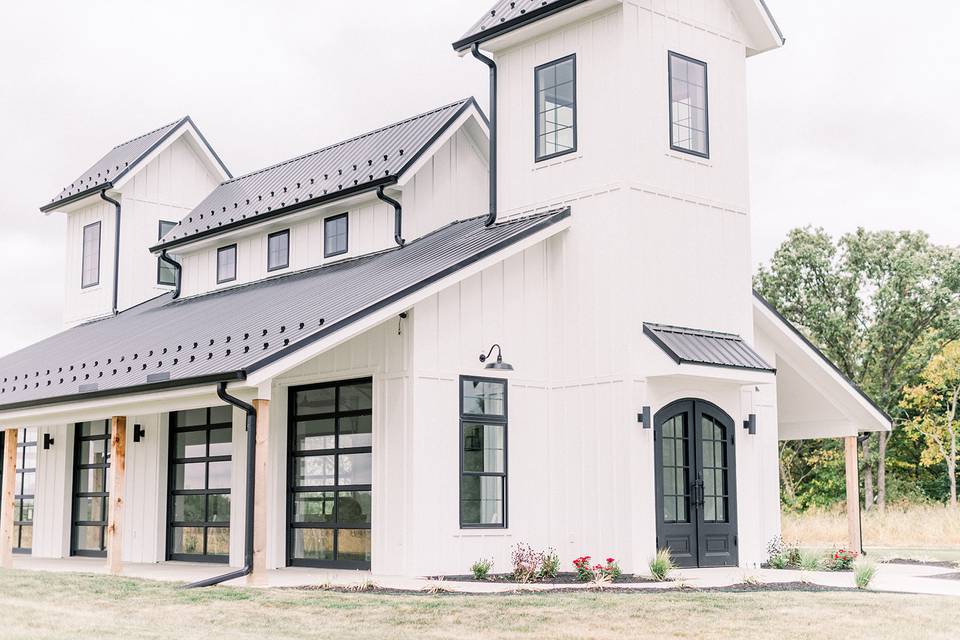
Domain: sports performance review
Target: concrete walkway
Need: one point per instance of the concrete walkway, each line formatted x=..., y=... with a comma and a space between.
x=896, y=578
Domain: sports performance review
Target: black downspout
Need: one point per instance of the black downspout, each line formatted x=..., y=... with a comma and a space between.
x=397, y=216
x=861, y=438
x=493, y=131
x=178, y=269
x=248, y=515
x=116, y=248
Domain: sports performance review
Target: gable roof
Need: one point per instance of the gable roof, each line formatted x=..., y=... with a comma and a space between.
x=376, y=158
x=119, y=161
x=230, y=333
x=711, y=348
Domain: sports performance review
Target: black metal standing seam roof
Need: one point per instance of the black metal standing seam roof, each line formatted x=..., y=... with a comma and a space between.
x=712, y=348
x=377, y=157
x=227, y=334
x=507, y=15
x=119, y=161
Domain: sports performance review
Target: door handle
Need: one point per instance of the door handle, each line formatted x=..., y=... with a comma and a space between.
x=698, y=493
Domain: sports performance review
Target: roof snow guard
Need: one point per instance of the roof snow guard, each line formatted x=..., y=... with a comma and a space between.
x=348, y=167
x=118, y=162
x=711, y=348
x=507, y=15
x=228, y=334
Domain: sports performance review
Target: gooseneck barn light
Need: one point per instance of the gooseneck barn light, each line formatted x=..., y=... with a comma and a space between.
x=499, y=365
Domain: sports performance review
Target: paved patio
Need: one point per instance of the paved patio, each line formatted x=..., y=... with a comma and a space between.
x=896, y=578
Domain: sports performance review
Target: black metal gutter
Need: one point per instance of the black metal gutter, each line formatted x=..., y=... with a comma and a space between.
x=492, y=217
x=116, y=247
x=247, y=568
x=511, y=25
x=178, y=268
x=397, y=216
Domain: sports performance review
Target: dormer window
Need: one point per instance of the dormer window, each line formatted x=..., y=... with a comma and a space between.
x=335, y=235
x=556, y=105
x=166, y=275
x=90, y=265
x=689, y=123
x=226, y=264
x=278, y=250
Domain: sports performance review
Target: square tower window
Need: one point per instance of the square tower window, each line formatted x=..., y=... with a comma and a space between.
x=226, y=264
x=556, y=107
x=90, y=266
x=278, y=250
x=335, y=235
x=689, y=123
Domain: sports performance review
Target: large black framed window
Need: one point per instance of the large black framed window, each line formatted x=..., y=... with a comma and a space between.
x=166, y=275
x=556, y=108
x=227, y=264
x=198, y=511
x=90, y=260
x=278, y=250
x=689, y=115
x=24, y=490
x=330, y=464
x=90, y=497
x=483, y=452
x=336, y=235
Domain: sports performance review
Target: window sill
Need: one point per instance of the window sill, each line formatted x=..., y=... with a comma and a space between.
x=483, y=533
x=546, y=164
x=91, y=289
x=689, y=157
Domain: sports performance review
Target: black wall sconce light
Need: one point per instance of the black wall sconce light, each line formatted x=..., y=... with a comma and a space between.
x=750, y=424
x=645, y=417
x=499, y=365
x=47, y=441
x=138, y=433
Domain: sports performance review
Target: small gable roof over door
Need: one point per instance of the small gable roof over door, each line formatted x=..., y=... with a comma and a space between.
x=121, y=160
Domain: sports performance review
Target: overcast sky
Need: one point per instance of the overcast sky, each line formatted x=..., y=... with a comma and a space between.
x=851, y=124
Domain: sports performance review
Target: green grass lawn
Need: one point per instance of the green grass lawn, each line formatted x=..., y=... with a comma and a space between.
x=38, y=605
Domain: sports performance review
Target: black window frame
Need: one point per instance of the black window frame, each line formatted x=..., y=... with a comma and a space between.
x=172, y=492
x=220, y=250
x=18, y=495
x=285, y=265
x=536, y=110
x=346, y=235
x=83, y=254
x=485, y=419
x=706, y=104
x=160, y=263
x=292, y=488
x=76, y=495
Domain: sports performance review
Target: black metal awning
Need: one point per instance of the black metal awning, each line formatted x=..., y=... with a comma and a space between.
x=709, y=348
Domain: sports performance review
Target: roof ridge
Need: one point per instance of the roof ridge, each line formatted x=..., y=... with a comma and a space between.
x=349, y=140
x=150, y=133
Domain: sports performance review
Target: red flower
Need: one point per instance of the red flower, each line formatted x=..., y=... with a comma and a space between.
x=610, y=560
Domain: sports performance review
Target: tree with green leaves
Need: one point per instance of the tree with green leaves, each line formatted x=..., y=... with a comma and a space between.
x=932, y=405
x=880, y=304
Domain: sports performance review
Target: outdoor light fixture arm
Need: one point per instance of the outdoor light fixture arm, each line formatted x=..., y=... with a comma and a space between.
x=484, y=358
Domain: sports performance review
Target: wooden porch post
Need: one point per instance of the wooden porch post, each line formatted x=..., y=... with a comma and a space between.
x=6, y=509
x=118, y=466
x=853, y=494
x=259, y=573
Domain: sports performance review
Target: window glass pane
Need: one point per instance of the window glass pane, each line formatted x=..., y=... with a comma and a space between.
x=483, y=448
x=278, y=250
x=220, y=442
x=91, y=255
x=482, y=397
x=187, y=540
x=30, y=435
x=354, y=507
x=97, y=428
x=355, y=468
x=218, y=509
x=312, y=401
x=481, y=500
x=91, y=481
x=26, y=536
x=30, y=457
x=316, y=434
x=191, y=444
x=356, y=431
x=315, y=471
x=26, y=510
x=90, y=510
x=87, y=538
x=189, y=508
x=190, y=476
x=221, y=415
x=93, y=452
x=218, y=541
x=335, y=235
x=313, y=544
x=556, y=108
x=219, y=475
x=357, y=397
x=688, y=107
x=192, y=418
x=226, y=264
x=314, y=507
x=29, y=483
x=354, y=545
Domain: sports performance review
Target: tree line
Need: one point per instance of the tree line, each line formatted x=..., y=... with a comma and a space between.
x=885, y=307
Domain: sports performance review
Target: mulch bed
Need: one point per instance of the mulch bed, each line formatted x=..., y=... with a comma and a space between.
x=562, y=578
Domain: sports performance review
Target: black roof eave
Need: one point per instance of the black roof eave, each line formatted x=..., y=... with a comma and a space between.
x=516, y=23
x=650, y=333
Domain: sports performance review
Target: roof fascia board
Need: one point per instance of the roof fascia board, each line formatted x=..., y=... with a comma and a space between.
x=763, y=31
x=450, y=130
x=463, y=45
x=373, y=315
x=779, y=325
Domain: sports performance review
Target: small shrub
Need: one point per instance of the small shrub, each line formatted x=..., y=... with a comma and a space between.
x=436, y=587
x=526, y=563
x=753, y=581
x=549, y=564
x=781, y=555
x=662, y=565
x=842, y=560
x=810, y=561
x=584, y=570
x=778, y=562
x=863, y=572
x=481, y=568
x=587, y=572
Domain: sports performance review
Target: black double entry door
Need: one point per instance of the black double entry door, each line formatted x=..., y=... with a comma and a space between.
x=696, y=484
